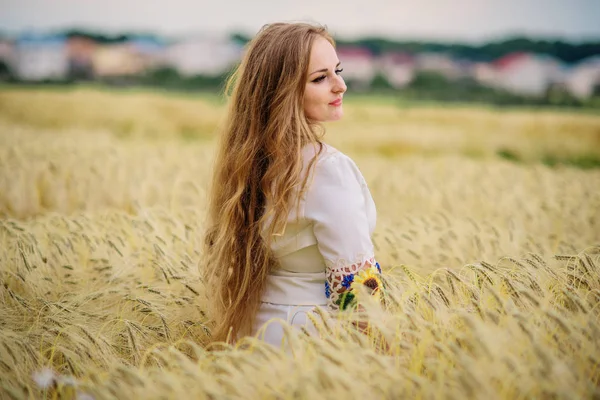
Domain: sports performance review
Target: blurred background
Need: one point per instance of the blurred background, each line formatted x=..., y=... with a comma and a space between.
x=531, y=52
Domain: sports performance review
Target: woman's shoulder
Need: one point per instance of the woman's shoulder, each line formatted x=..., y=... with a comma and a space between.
x=331, y=162
x=325, y=154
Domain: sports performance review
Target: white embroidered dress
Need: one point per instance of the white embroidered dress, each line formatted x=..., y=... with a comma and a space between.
x=327, y=240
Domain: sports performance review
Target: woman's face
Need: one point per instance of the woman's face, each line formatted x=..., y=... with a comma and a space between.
x=324, y=86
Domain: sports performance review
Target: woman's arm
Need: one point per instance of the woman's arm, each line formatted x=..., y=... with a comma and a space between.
x=337, y=206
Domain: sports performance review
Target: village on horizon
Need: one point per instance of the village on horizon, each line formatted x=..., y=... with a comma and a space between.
x=39, y=57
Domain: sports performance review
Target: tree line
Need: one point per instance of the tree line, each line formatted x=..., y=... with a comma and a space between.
x=560, y=49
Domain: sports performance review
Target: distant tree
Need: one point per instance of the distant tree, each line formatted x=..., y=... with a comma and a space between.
x=435, y=87
x=560, y=96
x=240, y=38
x=430, y=81
x=169, y=78
x=380, y=83
x=165, y=76
x=5, y=72
x=105, y=38
x=562, y=50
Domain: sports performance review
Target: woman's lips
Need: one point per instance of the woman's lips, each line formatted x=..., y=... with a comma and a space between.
x=336, y=103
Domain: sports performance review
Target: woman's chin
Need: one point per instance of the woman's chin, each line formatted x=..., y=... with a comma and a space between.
x=337, y=115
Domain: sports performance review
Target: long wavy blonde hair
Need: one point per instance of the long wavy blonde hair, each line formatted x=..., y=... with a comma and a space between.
x=259, y=164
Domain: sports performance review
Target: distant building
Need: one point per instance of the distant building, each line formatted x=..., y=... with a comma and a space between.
x=81, y=51
x=6, y=50
x=526, y=74
x=208, y=55
x=117, y=60
x=6, y=58
x=359, y=65
x=40, y=57
x=439, y=63
x=584, y=77
x=149, y=50
x=398, y=68
x=484, y=73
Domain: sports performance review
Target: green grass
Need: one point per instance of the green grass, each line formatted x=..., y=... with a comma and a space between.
x=581, y=161
x=384, y=98
x=209, y=96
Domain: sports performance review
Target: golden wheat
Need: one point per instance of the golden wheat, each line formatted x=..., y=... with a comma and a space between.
x=491, y=267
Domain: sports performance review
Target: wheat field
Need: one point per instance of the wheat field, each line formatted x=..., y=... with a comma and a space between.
x=491, y=256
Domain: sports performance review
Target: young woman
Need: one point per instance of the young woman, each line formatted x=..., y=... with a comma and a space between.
x=290, y=218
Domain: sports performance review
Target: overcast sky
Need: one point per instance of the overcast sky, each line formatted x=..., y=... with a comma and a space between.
x=462, y=20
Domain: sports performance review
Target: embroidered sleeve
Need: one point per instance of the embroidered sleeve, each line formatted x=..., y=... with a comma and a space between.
x=336, y=205
x=342, y=283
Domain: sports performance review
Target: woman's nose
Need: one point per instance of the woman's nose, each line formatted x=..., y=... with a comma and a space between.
x=340, y=85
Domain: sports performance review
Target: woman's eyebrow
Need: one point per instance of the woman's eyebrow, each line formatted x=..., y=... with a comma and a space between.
x=324, y=69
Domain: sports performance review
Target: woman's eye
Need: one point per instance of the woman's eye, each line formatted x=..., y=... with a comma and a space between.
x=320, y=78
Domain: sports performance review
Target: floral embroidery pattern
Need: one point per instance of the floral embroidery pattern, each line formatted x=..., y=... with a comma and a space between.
x=347, y=281
x=343, y=283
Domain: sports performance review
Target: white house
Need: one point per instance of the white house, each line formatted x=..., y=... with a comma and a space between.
x=526, y=74
x=359, y=65
x=398, y=68
x=117, y=60
x=584, y=77
x=39, y=57
x=207, y=55
x=6, y=58
x=484, y=73
x=440, y=63
x=6, y=51
x=149, y=50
